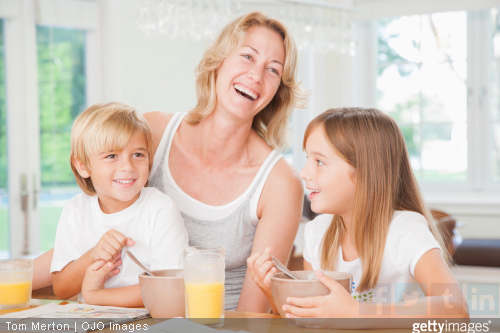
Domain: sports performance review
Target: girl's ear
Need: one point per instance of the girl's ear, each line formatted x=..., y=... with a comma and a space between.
x=81, y=168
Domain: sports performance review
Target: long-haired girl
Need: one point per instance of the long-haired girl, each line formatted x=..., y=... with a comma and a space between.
x=375, y=225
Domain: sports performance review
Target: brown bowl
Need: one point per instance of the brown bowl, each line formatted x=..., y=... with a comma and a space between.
x=308, y=285
x=163, y=294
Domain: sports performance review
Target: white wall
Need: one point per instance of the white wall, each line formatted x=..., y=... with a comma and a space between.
x=151, y=73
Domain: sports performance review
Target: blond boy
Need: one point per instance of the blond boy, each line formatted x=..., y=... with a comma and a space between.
x=111, y=159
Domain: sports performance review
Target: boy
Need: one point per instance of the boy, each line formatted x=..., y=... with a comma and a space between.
x=111, y=159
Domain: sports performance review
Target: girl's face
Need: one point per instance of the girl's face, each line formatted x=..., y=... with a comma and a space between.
x=248, y=79
x=119, y=176
x=328, y=177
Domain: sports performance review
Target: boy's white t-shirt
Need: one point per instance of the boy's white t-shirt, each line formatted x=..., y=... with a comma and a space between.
x=409, y=237
x=153, y=222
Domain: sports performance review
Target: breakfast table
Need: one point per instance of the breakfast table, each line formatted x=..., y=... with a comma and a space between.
x=235, y=321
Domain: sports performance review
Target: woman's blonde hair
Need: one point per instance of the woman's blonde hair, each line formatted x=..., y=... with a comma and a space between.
x=271, y=122
x=104, y=127
x=372, y=143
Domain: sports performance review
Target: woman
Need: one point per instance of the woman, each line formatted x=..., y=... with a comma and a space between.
x=219, y=163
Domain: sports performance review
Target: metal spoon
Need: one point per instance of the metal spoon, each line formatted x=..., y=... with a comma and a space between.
x=134, y=259
x=283, y=268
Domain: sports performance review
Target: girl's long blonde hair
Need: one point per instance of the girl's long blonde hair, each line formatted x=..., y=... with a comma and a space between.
x=373, y=144
x=271, y=123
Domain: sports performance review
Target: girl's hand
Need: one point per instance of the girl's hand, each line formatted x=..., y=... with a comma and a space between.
x=261, y=268
x=110, y=244
x=337, y=304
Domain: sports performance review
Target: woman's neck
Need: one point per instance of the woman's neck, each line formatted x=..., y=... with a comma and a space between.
x=220, y=139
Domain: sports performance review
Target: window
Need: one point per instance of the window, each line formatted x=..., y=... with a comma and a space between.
x=421, y=83
x=438, y=76
x=61, y=87
x=53, y=62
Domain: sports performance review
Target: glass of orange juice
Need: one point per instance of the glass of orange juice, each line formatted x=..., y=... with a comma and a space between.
x=15, y=283
x=204, y=274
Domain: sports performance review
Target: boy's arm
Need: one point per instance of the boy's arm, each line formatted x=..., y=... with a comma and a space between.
x=94, y=292
x=68, y=282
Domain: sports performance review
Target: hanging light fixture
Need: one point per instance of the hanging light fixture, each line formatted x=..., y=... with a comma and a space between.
x=315, y=25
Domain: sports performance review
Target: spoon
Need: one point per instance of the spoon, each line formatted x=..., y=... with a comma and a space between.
x=134, y=259
x=283, y=268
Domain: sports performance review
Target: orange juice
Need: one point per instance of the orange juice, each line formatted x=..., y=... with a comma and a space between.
x=204, y=300
x=15, y=293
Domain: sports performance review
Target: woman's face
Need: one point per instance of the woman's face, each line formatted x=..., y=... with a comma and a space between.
x=249, y=78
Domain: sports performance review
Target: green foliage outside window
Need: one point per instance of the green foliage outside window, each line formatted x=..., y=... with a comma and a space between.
x=61, y=76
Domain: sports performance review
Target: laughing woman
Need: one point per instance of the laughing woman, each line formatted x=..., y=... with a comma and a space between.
x=220, y=161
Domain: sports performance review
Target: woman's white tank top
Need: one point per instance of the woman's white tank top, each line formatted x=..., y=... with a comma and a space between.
x=231, y=225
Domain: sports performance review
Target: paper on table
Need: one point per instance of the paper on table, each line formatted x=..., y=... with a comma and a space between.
x=70, y=317
x=184, y=325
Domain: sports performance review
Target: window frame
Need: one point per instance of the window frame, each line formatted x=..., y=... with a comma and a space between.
x=21, y=20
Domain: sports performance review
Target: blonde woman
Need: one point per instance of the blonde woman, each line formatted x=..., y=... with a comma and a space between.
x=375, y=226
x=219, y=162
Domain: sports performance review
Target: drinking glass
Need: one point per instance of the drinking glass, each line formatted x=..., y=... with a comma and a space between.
x=15, y=283
x=204, y=274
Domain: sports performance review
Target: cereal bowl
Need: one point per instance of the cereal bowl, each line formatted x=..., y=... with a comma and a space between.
x=163, y=293
x=308, y=285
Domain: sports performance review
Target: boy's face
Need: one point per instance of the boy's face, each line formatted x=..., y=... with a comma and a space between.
x=119, y=176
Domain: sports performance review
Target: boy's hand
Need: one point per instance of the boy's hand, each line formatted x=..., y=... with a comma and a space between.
x=110, y=244
x=94, y=279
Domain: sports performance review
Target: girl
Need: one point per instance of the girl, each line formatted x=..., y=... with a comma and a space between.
x=376, y=225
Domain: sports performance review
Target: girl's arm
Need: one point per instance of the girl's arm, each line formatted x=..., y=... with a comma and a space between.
x=444, y=298
x=280, y=212
x=94, y=293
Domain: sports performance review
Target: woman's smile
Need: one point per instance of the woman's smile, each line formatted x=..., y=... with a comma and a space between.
x=246, y=92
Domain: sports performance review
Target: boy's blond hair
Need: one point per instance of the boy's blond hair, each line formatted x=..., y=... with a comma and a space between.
x=104, y=127
x=271, y=123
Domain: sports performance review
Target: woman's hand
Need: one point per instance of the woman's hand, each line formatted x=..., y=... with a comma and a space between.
x=261, y=268
x=110, y=245
x=337, y=304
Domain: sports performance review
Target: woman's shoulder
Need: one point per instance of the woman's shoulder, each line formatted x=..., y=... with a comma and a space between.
x=285, y=179
x=158, y=122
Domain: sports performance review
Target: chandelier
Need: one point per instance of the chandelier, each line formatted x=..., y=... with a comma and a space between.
x=315, y=25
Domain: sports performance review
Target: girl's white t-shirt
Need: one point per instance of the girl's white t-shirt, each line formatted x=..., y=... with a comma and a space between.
x=409, y=237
